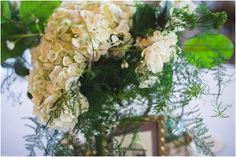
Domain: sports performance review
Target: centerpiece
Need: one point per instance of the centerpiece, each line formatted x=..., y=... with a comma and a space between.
x=101, y=66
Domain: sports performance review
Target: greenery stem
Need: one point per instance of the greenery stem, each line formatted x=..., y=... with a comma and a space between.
x=101, y=145
x=25, y=35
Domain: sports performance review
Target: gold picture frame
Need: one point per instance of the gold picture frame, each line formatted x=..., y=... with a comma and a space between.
x=152, y=136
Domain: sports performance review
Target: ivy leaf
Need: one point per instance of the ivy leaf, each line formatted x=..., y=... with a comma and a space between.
x=35, y=13
x=143, y=20
x=208, y=50
x=5, y=11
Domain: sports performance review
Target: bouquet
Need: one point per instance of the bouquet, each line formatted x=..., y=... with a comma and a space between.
x=99, y=66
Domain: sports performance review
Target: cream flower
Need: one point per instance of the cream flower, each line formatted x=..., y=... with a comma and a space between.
x=153, y=58
x=162, y=48
x=70, y=81
x=76, y=42
x=79, y=58
x=67, y=61
x=77, y=33
x=74, y=69
x=55, y=72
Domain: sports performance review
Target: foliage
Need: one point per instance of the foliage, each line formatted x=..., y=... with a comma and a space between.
x=35, y=14
x=6, y=12
x=143, y=19
x=208, y=19
x=19, y=28
x=44, y=139
x=204, y=50
x=163, y=16
x=185, y=20
x=115, y=99
x=203, y=19
x=187, y=86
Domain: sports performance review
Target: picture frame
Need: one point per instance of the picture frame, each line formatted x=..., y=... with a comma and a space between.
x=150, y=138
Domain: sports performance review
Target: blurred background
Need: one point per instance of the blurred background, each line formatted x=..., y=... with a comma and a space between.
x=15, y=104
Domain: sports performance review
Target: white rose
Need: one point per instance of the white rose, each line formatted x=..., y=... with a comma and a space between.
x=156, y=55
x=152, y=60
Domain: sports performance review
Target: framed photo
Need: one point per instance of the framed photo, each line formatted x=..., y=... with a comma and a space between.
x=149, y=139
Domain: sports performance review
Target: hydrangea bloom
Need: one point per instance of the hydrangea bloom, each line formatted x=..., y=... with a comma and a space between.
x=77, y=34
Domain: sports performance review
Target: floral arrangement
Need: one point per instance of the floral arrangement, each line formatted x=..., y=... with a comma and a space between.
x=100, y=65
x=77, y=34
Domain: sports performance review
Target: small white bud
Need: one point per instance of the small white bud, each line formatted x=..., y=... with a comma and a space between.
x=10, y=44
x=114, y=39
x=37, y=20
x=126, y=65
x=122, y=66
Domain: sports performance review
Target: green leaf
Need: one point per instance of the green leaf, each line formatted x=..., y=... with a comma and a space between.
x=5, y=11
x=163, y=17
x=143, y=20
x=208, y=19
x=7, y=31
x=35, y=13
x=208, y=50
x=20, y=68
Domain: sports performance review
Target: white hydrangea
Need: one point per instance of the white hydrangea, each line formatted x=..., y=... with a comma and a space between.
x=67, y=119
x=77, y=33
